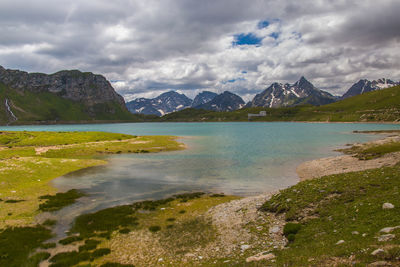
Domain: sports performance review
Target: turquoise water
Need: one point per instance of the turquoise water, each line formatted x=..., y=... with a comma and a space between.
x=233, y=158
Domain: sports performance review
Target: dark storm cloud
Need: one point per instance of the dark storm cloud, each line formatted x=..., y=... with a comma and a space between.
x=154, y=46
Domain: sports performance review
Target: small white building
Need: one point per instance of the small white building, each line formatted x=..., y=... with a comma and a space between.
x=260, y=114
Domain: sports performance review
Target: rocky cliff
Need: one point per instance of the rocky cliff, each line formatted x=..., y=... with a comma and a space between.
x=39, y=96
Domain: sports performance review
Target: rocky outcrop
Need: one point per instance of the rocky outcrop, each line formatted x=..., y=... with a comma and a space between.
x=226, y=101
x=203, y=97
x=284, y=95
x=85, y=87
x=364, y=86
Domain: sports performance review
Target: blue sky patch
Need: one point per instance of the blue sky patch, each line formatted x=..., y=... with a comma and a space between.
x=233, y=80
x=274, y=35
x=263, y=24
x=246, y=39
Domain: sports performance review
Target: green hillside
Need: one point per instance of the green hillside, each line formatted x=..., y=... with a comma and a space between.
x=46, y=107
x=381, y=105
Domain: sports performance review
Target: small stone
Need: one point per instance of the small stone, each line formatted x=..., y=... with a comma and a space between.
x=364, y=235
x=226, y=261
x=380, y=263
x=377, y=252
x=244, y=247
x=355, y=233
x=340, y=242
x=384, y=238
x=162, y=209
x=200, y=257
x=288, y=200
x=274, y=229
x=160, y=259
x=387, y=206
x=260, y=256
x=389, y=229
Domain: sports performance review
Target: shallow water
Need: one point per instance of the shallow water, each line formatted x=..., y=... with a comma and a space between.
x=233, y=158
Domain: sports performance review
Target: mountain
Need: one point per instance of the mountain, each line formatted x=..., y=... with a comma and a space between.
x=68, y=95
x=226, y=101
x=376, y=106
x=203, y=98
x=363, y=86
x=283, y=95
x=163, y=104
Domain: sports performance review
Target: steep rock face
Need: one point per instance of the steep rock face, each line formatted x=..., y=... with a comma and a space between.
x=203, y=98
x=226, y=101
x=364, y=85
x=84, y=87
x=301, y=92
x=163, y=104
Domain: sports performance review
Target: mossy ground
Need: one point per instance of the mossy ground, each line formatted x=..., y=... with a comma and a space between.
x=340, y=207
x=30, y=160
x=177, y=232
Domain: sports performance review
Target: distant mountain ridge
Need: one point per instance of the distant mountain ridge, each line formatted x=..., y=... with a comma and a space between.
x=202, y=98
x=283, y=95
x=364, y=86
x=172, y=101
x=226, y=101
x=163, y=104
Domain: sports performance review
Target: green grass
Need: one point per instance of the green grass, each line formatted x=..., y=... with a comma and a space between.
x=25, y=138
x=367, y=152
x=60, y=200
x=329, y=209
x=17, y=243
x=26, y=173
x=380, y=105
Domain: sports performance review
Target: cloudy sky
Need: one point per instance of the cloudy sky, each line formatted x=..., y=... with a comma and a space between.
x=148, y=47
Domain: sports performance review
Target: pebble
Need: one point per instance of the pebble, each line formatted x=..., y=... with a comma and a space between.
x=377, y=252
x=389, y=229
x=387, y=237
x=364, y=235
x=380, y=263
x=340, y=242
x=274, y=229
x=244, y=247
x=355, y=233
x=200, y=257
x=160, y=259
x=260, y=256
x=387, y=206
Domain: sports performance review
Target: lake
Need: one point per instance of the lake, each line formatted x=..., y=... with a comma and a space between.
x=241, y=158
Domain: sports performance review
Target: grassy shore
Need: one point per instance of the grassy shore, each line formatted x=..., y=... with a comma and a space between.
x=30, y=160
x=335, y=220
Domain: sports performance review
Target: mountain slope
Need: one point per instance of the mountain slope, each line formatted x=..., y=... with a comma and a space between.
x=165, y=103
x=283, y=95
x=364, y=86
x=226, y=101
x=62, y=96
x=203, y=98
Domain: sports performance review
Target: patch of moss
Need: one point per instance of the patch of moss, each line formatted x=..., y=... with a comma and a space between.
x=13, y=200
x=60, y=200
x=35, y=259
x=90, y=244
x=17, y=243
x=70, y=239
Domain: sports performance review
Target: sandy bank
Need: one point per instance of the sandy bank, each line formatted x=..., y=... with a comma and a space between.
x=348, y=163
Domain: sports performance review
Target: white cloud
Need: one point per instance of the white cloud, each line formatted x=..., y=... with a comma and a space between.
x=149, y=47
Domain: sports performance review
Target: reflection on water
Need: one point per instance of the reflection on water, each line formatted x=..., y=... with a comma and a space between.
x=232, y=158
